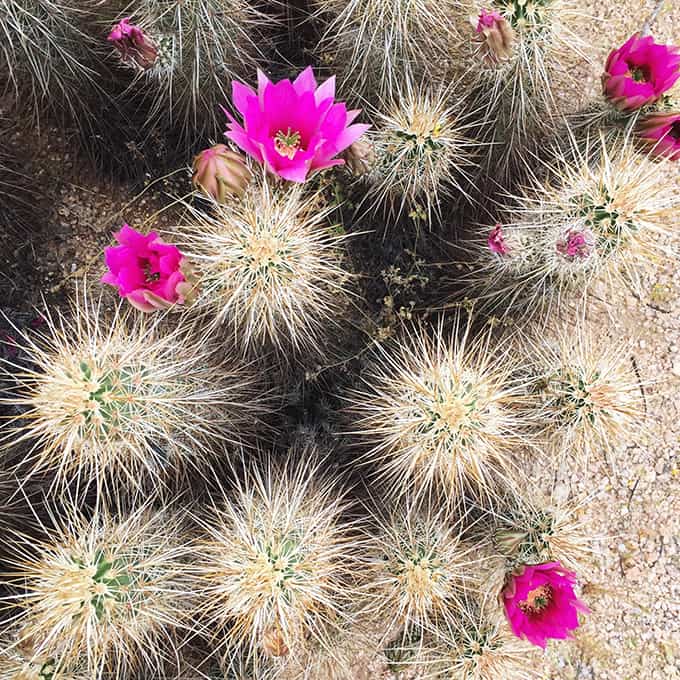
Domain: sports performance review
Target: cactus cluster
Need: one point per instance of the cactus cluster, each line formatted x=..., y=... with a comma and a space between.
x=308, y=419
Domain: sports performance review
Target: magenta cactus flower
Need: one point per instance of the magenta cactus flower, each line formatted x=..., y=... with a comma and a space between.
x=151, y=274
x=576, y=244
x=662, y=132
x=294, y=129
x=540, y=603
x=496, y=241
x=639, y=72
x=135, y=47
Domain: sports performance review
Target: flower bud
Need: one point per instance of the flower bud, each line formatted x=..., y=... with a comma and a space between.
x=220, y=172
x=360, y=157
x=135, y=47
x=496, y=241
x=494, y=36
x=273, y=643
x=576, y=244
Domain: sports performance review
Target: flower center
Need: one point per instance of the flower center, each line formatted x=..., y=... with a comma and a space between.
x=287, y=143
x=537, y=600
x=150, y=276
x=640, y=74
x=675, y=130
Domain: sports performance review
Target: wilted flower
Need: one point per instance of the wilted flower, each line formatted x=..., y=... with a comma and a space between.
x=496, y=241
x=540, y=603
x=133, y=44
x=220, y=172
x=293, y=128
x=149, y=273
x=494, y=34
x=662, y=131
x=576, y=244
x=639, y=72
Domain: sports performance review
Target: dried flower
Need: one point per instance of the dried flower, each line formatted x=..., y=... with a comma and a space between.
x=151, y=274
x=639, y=72
x=540, y=603
x=135, y=47
x=576, y=244
x=496, y=241
x=494, y=35
x=293, y=128
x=220, y=172
x=662, y=132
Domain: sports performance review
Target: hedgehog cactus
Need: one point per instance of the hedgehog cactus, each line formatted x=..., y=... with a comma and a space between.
x=597, y=217
x=420, y=569
x=277, y=563
x=107, y=401
x=479, y=646
x=440, y=412
x=103, y=593
x=512, y=83
x=422, y=154
x=50, y=59
x=270, y=268
x=374, y=44
x=588, y=395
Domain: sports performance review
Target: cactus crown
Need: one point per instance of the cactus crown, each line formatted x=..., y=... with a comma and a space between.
x=525, y=14
x=611, y=226
x=452, y=407
x=579, y=395
x=108, y=581
x=100, y=395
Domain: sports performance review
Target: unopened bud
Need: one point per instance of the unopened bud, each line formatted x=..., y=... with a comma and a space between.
x=135, y=47
x=360, y=157
x=494, y=36
x=220, y=172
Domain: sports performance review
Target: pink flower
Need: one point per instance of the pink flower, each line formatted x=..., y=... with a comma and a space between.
x=149, y=273
x=540, y=603
x=576, y=244
x=293, y=128
x=662, y=131
x=496, y=241
x=639, y=72
x=133, y=44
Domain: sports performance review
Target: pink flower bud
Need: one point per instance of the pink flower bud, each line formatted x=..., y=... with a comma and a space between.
x=662, y=132
x=135, y=47
x=576, y=244
x=151, y=274
x=639, y=72
x=494, y=36
x=220, y=173
x=496, y=241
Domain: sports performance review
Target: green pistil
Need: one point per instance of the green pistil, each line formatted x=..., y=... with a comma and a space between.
x=287, y=143
x=638, y=75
